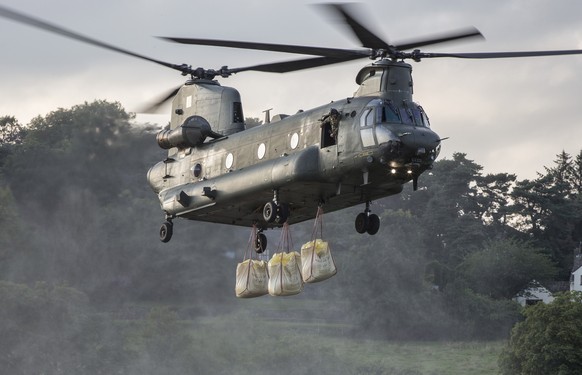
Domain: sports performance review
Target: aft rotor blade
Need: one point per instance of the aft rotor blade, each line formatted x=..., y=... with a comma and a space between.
x=469, y=32
x=152, y=108
x=500, y=55
x=364, y=35
x=43, y=25
x=287, y=48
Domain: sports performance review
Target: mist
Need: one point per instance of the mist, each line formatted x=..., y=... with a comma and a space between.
x=86, y=287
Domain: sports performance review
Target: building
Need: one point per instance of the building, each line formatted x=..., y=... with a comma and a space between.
x=576, y=276
x=534, y=293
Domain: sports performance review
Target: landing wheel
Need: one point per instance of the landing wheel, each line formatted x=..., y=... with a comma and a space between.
x=270, y=212
x=260, y=243
x=373, y=224
x=166, y=231
x=362, y=222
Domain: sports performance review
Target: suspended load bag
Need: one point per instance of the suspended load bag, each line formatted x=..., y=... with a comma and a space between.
x=285, y=274
x=251, y=274
x=285, y=268
x=316, y=261
x=251, y=278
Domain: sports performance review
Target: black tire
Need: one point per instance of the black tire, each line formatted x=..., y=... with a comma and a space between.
x=361, y=223
x=373, y=224
x=270, y=212
x=166, y=231
x=261, y=243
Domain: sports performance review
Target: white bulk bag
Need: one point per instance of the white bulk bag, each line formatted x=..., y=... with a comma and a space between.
x=251, y=278
x=316, y=261
x=285, y=274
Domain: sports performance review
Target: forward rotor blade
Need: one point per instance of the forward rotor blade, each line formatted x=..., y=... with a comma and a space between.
x=287, y=48
x=500, y=55
x=153, y=108
x=40, y=24
x=294, y=65
x=364, y=35
x=469, y=32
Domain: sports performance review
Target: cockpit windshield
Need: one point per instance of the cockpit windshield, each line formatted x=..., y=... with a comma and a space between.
x=385, y=111
x=411, y=114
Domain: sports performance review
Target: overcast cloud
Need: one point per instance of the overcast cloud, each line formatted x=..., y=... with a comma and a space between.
x=510, y=115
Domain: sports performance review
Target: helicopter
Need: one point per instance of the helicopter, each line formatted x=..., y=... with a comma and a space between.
x=348, y=152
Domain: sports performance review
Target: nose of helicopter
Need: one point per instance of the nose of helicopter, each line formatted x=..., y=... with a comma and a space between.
x=421, y=145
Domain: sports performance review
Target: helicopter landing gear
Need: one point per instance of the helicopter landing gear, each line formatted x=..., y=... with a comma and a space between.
x=367, y=222
x=166, y=231
x=275, y=212
x=260, y=242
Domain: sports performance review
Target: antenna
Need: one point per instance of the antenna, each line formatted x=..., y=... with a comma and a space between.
x=267, y=113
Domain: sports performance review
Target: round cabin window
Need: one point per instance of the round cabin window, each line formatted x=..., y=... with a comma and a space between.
x=261, y=151
x=197, y=170
x=229, y=160
x=294, y=141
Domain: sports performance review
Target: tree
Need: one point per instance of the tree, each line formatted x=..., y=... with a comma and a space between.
x=251, y=122
x=493, y=197
x=549, y=210
x=548, y=341
x=449, y=212
x=11, y=132
x=11, y=135
x=504, y=267
x=11, y=238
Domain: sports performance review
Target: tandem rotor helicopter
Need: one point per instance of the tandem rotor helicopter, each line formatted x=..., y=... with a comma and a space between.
x=349, y=152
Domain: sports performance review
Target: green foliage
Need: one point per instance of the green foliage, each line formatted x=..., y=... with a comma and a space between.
x=75, y=209
x=11, y=234
x=477, y=315
x=11, y=131
x=504, y=267
x=251, y=122
x=548, y=341
x=38, y=327
x=549, y=208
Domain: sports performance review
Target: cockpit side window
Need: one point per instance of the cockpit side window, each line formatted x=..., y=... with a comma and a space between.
x=367, y=127
x=417, y=116
x=424, y=117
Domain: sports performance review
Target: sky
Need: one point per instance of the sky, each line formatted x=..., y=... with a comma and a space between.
x=508, y=115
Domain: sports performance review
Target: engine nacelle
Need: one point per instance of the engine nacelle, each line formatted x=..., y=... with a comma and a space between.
x=191, y=133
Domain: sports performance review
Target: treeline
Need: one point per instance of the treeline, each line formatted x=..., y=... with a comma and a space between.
x=78, y=241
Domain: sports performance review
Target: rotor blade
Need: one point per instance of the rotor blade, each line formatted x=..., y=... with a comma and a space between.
x=40, y=24
x=294, y=65
x=469, y=32
x=287, y=48
x=364, y=35
x=499, y=55
x=153, y=107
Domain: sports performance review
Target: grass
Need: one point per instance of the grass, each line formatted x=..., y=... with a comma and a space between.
x=297, y=337
x=319, y=344
x=426, y=358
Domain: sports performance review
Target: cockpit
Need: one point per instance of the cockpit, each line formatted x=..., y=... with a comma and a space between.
x=381, y=117
x=408, y=113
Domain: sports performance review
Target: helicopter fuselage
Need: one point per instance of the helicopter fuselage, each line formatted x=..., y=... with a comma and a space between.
x=348, y=152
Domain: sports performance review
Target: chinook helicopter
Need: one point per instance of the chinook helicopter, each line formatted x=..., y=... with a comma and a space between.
x=349, y=152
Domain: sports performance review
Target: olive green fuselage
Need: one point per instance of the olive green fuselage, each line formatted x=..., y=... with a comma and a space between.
x=381, y=141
